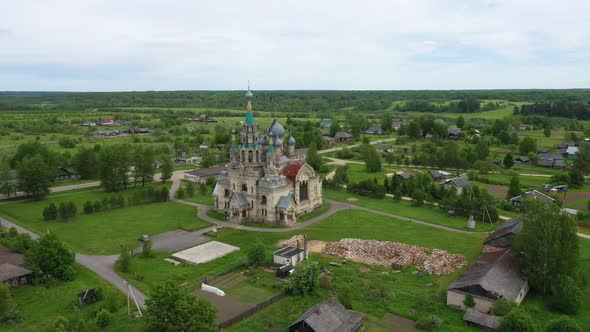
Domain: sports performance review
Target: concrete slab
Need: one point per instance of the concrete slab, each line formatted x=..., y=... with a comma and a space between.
x=205, y=252
x=176, y=240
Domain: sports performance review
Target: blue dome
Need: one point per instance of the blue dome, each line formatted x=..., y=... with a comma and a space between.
x=277, y=129
x=291, y=140
x=249, y=94
x=278, y=143
x=261, y=140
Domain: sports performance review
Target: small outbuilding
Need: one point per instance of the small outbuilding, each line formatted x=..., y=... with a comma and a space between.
x=328, y=316
x=343, y=137
x=503, y=237
x=14, y=275
x=289, y=255
x=201, y=175
x=481, y=320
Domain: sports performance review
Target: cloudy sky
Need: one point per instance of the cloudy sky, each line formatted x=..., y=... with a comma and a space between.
x=112, y=45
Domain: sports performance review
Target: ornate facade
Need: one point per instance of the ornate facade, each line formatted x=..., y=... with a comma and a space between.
x=266, y=180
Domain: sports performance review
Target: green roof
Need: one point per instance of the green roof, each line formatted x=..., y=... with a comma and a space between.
x=250, y=118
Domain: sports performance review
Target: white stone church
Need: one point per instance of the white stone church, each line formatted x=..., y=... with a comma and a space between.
x=266, y=180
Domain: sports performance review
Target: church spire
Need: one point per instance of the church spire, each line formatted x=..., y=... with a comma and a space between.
x=249, y=115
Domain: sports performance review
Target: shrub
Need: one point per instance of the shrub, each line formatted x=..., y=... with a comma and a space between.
x=146, y=250
x=367, y=188
x=88, y=207
x=563, y=324
x=124, y=260
x=518, y=320
x=502, y=307
x=469, y=302
x=97, y=206
x=429, y=323
x=190, y=189
x=305, y=279
x=567, y=295
x=61, y=323
x=180, y=193
x=103, y=319
x=50, y=212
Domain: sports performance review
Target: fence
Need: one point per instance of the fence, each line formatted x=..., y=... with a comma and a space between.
x=253, y=310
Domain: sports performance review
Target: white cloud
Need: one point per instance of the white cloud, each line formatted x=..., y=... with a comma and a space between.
x=406, y=44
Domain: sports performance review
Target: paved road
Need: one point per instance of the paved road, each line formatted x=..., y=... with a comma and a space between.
x=101, y=265
x=354, y=145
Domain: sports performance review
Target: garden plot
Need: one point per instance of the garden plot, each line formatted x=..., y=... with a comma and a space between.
x=205, y=252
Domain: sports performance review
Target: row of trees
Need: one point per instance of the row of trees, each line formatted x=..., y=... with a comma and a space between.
x=574, y=110
x=65, y=211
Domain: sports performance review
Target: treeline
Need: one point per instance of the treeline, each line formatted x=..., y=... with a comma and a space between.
x=469, y=104
x=577, y=110
x=273, y=101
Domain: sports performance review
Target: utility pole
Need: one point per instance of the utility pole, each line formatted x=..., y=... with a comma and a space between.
x=130, y=290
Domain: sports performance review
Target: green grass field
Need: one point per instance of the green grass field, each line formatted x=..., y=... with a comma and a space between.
x=103, y=232
x=404, y=208
x=40, y=305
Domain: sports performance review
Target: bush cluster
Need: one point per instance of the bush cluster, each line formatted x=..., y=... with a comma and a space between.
x=369, y=188
x=17, y=242
x=65, y=211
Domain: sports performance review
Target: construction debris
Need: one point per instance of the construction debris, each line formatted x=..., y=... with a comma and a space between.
x=431, y=261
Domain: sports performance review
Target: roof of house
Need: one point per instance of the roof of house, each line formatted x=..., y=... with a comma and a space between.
x=571, y=150
x=492, y=275
x=373, y=128
x=454, y=130
x=342, y=134
x=9, y=271
x=490, y=321
x=205, y=172
x=291, y=170
x=403, y=174
x=522, y=158
x=503, y=236
x=550, y=155
x=534, y=194
x=383, y=147
x=459, y=182
x=241, y=200
x=545, y=162
x=285, y=201
x=288, y=251
x=331, y=316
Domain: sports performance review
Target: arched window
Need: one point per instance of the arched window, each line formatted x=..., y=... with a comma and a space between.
x=303, y=191
x=243, y=156
x=226, y=193
x=250, y=156
x=244, y=187
x=263, y=200
x=257, y=156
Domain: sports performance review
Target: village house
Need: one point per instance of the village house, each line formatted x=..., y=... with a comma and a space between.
x=571, y=152
x=326, y=123
x=329, y=140
x=186, y=160
x=503, y=237
x=64, y=174
x=403, y=175
x=328, y=316
x=386, y=148
x=201, y=175
x=289, y=256
x=534, y=195
x=14, y=275
x=492, y=276
x=521, y=160
x=439, y=175
x=343, y=137
x=374, y=130
x=453, y=133
x=460, y=183
x=396, y=123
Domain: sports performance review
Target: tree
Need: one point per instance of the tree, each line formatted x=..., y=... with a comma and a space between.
x=413, y=129
x=460, y=122
x=386, y=123
x=113, y=165
x=190, y=189
x=483, y=149
x=371, y=158
x=469, y=302
x=86, y=163
x=563, y=324
x=256, y=255
x=518, y=320
x=124, y=260
x=36, y=176
x=547, y=132
x=581, y=165
x=305, y=280
x=508, y=160
x=146, y=249
x=167, y=169
x=549, y=244
x=144, y=165
x=180, y=193
x=169, y=306
x=50, y=212
x=514, y=188
x=49, y=258
x=208, y=159
x=8, y=313
x=313, y=158
x=527, y=145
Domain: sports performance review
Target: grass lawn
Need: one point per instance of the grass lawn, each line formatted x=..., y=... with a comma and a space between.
x=216, y=215
x=323, y=209
x=103, y=233
x=262, y=224
x=40, y=305
x=358, y=173
x=206, y=199
x=346, y=224
x=405, y=208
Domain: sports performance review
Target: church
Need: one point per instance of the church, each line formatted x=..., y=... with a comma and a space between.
x=266, y=179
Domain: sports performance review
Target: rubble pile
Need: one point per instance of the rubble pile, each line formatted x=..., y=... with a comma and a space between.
x=293, y=241
x=431, y=261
